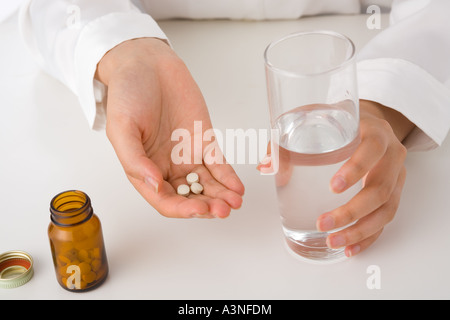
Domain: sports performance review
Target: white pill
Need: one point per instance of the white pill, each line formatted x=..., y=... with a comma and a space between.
x=192, y=178
x=183, y=190
x=196, y=188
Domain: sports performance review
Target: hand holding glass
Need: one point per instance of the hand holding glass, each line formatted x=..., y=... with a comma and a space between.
x=314, y=107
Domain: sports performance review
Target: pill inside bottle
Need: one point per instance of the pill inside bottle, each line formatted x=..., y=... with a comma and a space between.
x=76, y=242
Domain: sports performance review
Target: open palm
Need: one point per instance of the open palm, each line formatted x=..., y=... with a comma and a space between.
x=151, y=94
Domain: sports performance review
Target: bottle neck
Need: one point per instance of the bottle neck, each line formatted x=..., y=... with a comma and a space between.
x=70, y=208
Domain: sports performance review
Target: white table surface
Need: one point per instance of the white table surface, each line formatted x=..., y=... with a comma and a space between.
x=47, y=147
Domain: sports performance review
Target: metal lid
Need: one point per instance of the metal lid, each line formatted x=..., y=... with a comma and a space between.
x=16, y=269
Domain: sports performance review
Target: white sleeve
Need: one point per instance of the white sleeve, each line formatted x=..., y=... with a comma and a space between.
x=69, y=37
x=407, y=68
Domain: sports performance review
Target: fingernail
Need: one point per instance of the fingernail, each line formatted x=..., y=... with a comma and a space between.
x=265, y=163
x=267, y=159
x=338, y=184
x=349, y=252
x=326, y=223
x=335, y=242
x=152, y=183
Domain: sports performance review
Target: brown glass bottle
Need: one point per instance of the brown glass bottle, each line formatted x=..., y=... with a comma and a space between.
x=76, y=242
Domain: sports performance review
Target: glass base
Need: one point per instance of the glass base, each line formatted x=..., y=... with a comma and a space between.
x=313, y=249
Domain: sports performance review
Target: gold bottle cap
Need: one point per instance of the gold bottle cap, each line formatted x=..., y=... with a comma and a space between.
x=16, y=269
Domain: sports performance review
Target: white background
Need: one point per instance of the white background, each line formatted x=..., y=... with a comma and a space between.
x=46, y=147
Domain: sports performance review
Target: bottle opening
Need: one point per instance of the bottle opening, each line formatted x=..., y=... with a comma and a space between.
x=70, y=207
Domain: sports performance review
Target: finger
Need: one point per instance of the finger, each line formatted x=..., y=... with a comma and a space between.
x=217, y=208
x=372, y=148
x=377, y=190
x=126, y=141
x=378, y=187
x=283, y=173
x=266, y=164
x=355, y=249
x=223, y=172
x=280, y=166
x=170, y=204
x=216, y=190
x=361, y=230
x=369, y=225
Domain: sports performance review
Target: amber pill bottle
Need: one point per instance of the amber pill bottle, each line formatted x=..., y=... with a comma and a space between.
x=76, y=242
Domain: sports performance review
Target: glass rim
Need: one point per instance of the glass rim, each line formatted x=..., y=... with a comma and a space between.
x=343, y=64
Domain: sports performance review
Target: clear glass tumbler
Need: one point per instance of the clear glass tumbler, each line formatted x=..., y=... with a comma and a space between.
x=314, y=108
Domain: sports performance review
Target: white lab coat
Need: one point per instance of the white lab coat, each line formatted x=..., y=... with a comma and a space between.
x=406, y=67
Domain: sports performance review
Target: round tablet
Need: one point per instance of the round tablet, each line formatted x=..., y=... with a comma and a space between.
x=183, y=190
x=196, y=188
x=192, y=178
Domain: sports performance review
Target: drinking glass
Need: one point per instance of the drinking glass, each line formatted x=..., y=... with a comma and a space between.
x=314, y=108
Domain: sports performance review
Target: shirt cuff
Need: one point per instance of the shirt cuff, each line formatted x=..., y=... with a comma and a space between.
x=412, y=91
x=96, y=39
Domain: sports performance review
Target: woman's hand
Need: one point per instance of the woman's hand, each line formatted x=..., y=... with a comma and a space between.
x=151, y=94
x=379, y=160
